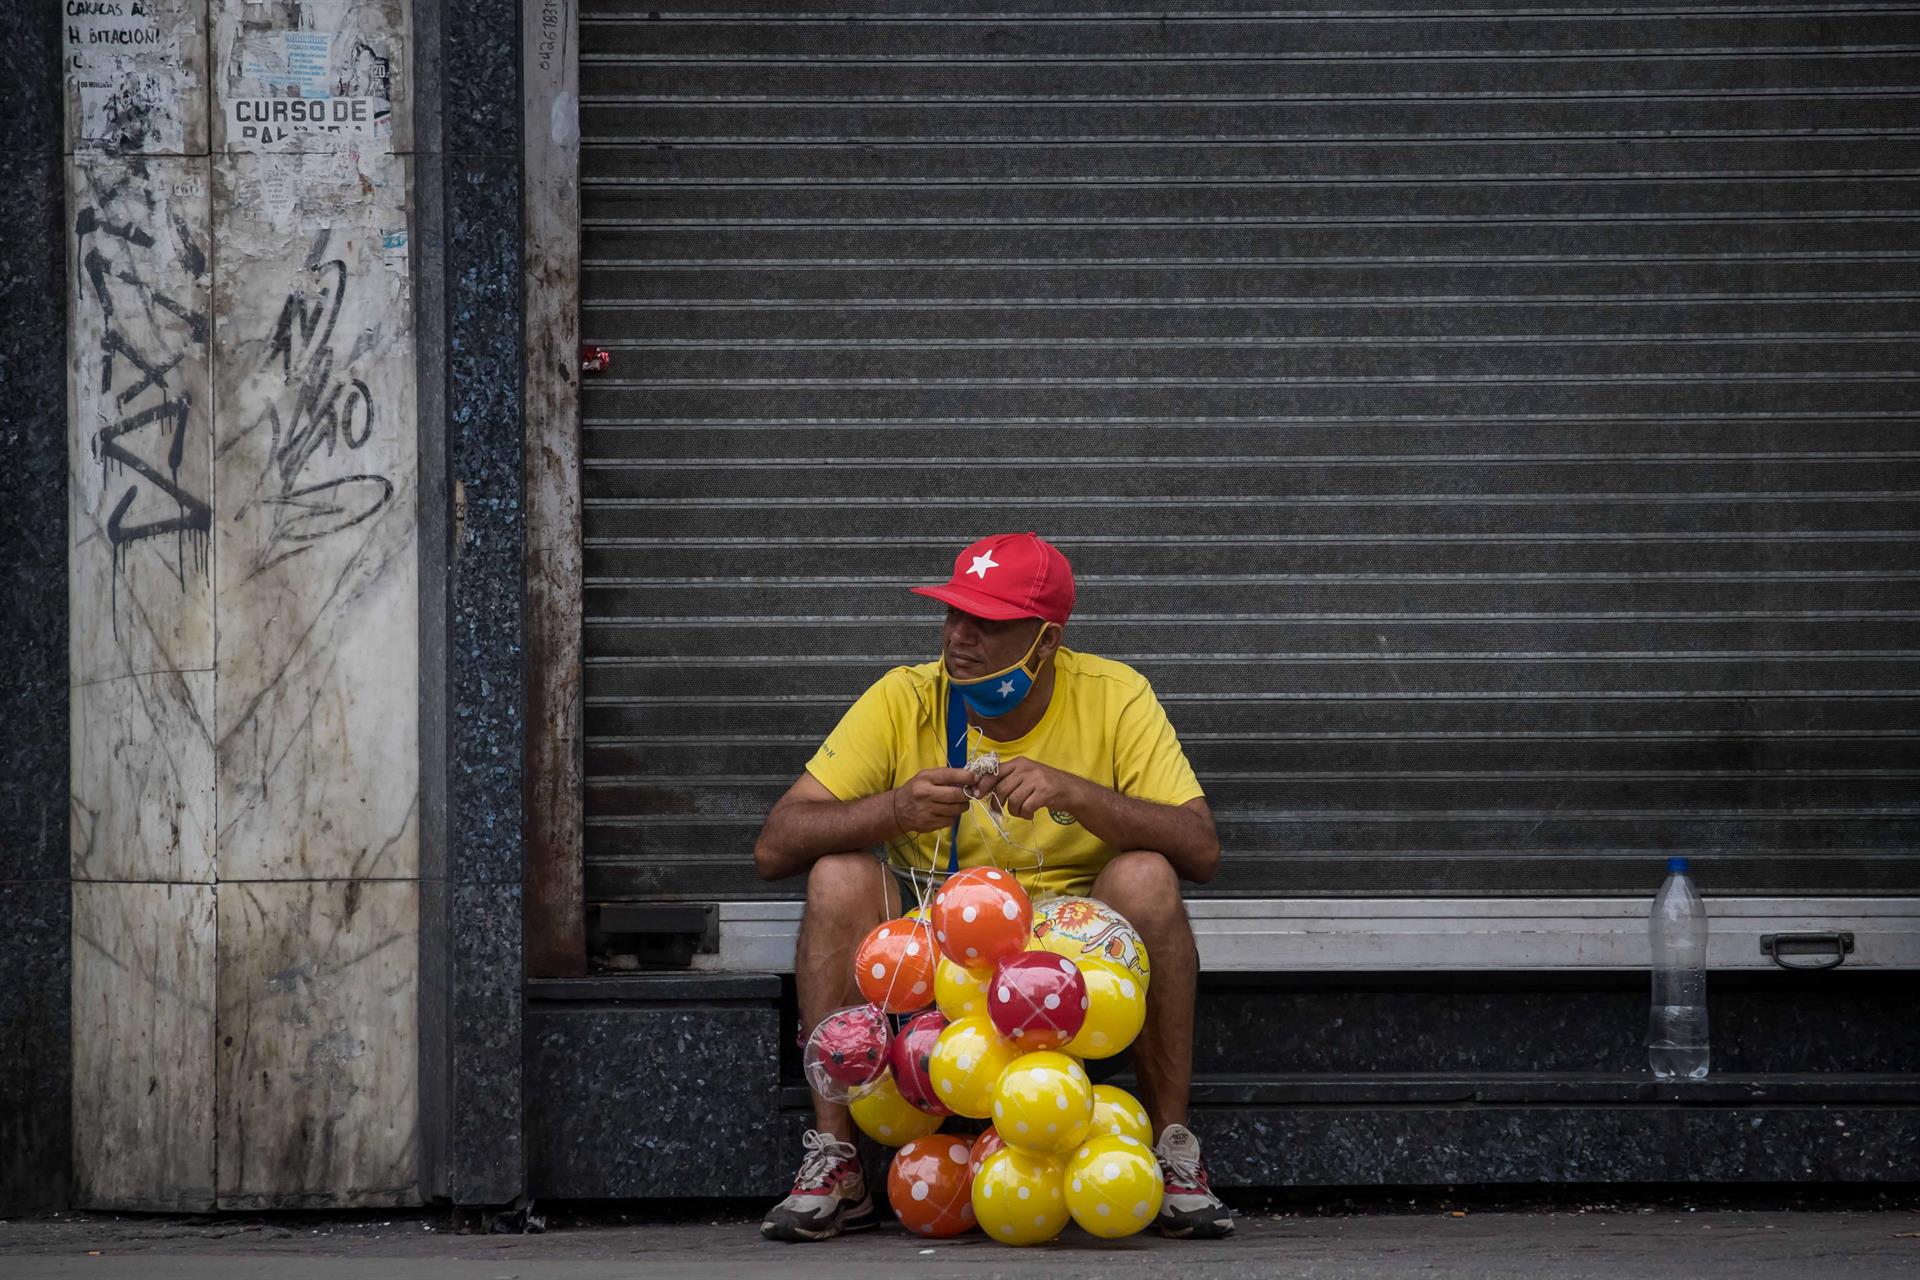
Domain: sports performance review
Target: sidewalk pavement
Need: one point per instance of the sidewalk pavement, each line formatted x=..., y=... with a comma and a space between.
x=1563, y=1244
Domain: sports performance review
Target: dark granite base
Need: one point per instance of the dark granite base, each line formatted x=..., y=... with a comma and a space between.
x=665, y=1086
x=1423, y=1144
x=653, y=1100
x=1438, y=1146
x=1762, y=1021
x=35, y=947
x=488, y=1162
x=1432, y=1131
x=35, y=1034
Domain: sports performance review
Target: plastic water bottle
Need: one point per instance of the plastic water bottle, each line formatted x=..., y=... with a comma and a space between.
x=1677, y=1024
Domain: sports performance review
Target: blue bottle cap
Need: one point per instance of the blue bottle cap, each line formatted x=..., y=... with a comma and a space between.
x=1677, y=866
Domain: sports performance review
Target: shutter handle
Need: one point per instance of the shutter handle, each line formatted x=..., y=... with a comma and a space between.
x=1781, y=945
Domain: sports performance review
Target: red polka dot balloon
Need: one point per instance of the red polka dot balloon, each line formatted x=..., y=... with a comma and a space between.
x=981, y=916
x=910, y=1056
x=894, y=966
x=930, y=1185
x=985, y=1145
x=1037, y=1000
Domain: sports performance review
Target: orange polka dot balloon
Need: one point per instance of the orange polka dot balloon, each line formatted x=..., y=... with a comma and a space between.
x=894, y=966
x=930, y=1185
x=981, y=916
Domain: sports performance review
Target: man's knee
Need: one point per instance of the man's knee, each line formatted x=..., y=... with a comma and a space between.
x=1142, y=886
x=848, y=884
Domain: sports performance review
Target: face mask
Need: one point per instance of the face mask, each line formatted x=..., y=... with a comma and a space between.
x=993, y=696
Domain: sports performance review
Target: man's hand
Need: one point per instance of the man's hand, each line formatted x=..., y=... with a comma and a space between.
x=930, y=800
x=1025, y=786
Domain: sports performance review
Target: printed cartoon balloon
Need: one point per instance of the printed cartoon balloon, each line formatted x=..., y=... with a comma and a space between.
x=1087, y=929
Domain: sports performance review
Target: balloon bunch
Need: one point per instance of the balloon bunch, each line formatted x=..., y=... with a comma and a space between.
x=1022, y=1000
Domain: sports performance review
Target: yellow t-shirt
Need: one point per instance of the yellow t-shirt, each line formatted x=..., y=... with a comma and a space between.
x=1103, y=724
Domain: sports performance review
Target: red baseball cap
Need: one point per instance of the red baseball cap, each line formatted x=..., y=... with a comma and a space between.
x=1007, y=576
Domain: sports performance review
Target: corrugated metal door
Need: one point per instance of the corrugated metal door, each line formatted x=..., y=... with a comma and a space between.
x=1491, y=431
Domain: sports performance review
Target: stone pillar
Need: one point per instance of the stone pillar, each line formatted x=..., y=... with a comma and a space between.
x=244, y=605
x=35, y=889
x=468, y=198
x=140, y=605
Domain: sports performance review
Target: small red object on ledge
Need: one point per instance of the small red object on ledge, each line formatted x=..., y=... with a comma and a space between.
x=594, y=359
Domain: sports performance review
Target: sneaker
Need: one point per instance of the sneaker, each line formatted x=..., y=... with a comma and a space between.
x=1190, y=1210
x=829, y=1194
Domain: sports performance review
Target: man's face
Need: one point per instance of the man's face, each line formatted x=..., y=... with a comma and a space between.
x=980, y=646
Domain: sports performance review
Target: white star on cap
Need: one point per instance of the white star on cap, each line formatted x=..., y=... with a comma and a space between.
x=1006, y=687
x=982, y=563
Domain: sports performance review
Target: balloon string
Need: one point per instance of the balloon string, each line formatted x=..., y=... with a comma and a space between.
x=923, y=893
x=1000, y=829
x=977, y=806
x=907, y=849
x=923, y=927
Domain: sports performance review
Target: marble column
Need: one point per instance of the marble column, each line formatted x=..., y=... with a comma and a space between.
x=140, y=605
x=243, y=606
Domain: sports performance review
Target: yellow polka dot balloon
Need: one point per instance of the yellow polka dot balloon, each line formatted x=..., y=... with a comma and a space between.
x=1116, y=1009
x=1043, y=1104
x=967, y=1060
x=960, y=992
x=1114, y=1186
x=884, y=1114
x=1117, y=1112
x=1020, y=1199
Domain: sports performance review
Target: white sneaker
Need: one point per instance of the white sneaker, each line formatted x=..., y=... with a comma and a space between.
x=1190, y=1210
x=829, y=1195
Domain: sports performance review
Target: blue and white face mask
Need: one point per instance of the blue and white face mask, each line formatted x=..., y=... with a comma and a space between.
x=991, y=697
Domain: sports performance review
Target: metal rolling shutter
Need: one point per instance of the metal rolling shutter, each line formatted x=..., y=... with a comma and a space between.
x=1491, y=431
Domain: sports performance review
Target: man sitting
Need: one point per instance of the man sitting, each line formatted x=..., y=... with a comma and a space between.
x=1094, y=788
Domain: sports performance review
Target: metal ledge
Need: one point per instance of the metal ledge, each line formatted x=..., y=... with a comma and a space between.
x=1506, y=1089
x=1499, y=934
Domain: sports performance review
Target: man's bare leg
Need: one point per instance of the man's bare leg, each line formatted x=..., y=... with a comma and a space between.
x=847, y=895
x=1142, y=886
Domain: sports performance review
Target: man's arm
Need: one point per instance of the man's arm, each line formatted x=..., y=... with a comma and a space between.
x=810, y=822
x=1182, y=833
